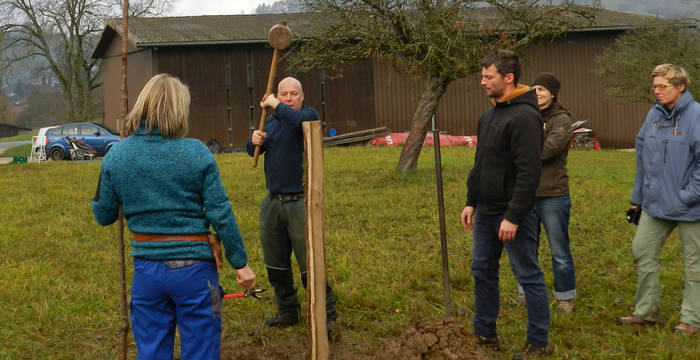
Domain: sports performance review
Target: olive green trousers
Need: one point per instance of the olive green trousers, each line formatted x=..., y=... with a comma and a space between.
x=650, y=238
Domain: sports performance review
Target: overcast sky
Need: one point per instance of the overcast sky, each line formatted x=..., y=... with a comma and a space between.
x=216, y=7
x=667, y=8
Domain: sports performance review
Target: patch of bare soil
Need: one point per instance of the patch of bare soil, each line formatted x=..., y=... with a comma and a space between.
x=243, y=349
x=440, y=339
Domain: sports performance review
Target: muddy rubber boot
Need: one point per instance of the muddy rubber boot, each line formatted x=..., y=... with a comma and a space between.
x=283, y=319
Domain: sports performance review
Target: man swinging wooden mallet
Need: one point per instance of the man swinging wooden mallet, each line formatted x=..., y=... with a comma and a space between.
x=282, y=213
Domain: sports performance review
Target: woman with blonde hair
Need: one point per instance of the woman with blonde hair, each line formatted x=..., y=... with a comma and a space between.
x=171, y=193
x=666, y=195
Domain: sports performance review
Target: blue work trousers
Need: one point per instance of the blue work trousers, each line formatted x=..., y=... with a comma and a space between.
x=188, y=297
x=522, y=254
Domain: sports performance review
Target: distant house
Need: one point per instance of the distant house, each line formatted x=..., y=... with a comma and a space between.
x=7, y=130
x=225, y=62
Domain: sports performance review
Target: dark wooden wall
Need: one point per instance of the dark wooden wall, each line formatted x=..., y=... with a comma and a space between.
x=203, y=70
x=572, y=59
x=235, y=77
x=139, y=67
x=228, y=81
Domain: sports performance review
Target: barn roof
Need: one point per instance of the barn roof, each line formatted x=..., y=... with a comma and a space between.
x=240, y=29
x=203, y=30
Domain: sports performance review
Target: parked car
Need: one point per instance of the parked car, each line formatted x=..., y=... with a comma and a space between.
x=95, y=135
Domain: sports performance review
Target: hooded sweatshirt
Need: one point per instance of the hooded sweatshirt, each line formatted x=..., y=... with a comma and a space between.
x=507, y=163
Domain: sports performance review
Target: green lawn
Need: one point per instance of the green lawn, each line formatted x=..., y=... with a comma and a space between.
x=21, y=150
x=60, y=290
x=22, y=137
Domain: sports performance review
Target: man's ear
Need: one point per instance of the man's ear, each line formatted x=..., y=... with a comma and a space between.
x=509, y=78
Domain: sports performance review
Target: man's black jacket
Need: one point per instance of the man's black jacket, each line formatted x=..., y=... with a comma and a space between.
x=507, y=164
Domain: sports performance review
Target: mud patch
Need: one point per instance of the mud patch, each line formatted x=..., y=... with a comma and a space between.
x=435, y=340
x=296, y=348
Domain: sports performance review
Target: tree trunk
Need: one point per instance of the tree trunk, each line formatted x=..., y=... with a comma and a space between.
x=429, y=101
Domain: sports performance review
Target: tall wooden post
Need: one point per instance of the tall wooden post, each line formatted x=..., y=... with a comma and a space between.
x=124, y=323
x=315, y=252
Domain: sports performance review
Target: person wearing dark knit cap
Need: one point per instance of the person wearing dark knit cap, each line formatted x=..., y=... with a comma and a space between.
x=553, y=204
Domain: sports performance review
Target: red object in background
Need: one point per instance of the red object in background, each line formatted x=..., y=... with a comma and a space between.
x=596, y=143
x=398, y=139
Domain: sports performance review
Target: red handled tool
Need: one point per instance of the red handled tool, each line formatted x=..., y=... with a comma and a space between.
x=248, y=293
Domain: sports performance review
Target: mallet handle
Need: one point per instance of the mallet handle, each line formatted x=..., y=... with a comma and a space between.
x=270, y=84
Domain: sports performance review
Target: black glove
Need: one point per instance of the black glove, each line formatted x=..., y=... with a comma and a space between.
x=633, y=215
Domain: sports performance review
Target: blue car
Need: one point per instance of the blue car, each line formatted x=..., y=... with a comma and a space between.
x=94, y=135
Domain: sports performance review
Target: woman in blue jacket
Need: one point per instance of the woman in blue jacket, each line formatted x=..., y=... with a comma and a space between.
x=171, y=193
x=667, y=188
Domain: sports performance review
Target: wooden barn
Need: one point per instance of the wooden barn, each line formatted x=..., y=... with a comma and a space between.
x=225, y=62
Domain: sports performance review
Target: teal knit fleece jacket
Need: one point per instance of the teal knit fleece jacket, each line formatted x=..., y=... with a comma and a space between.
x=167, y=186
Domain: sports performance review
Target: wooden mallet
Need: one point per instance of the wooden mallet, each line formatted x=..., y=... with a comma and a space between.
x=279, y=38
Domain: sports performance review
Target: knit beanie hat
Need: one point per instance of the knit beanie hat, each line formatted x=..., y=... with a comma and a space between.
x=549, y=81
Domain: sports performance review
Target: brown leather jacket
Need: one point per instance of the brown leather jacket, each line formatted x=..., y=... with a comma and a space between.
x=554, y=180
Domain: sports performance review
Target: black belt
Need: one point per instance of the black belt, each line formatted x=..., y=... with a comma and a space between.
x=287, y=197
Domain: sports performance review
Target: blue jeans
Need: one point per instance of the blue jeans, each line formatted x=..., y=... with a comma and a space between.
x=553, y=213
x=522, y=254
x=188, y=297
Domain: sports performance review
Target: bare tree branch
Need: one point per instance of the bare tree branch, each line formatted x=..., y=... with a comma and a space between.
x=64, y=33
x=436, y=40
x=625, y=66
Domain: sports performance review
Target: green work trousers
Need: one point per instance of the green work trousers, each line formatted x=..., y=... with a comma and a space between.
x=650, y=238
x=283, y=231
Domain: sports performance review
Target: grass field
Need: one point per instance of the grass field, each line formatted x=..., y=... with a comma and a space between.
x=21, y=150
x=60, y=291
x=22, y=137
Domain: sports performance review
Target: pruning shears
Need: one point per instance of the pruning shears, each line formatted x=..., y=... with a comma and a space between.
x=248, y=293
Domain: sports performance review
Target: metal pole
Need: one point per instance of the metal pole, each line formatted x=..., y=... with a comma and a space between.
x=441, y=213
x=324, y=124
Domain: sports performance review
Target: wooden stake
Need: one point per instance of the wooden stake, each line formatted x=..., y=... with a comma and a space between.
x=124, y=324
x=315, y=253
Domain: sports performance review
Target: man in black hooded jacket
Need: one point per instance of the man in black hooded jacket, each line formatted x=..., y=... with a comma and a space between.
x=500, y=201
